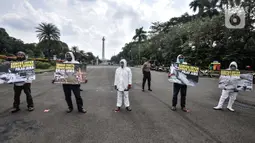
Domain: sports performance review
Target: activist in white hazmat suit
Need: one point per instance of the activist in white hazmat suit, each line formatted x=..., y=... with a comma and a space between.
x=68, y=88
x=178, y=87
x=231, y=93
x=122, y=83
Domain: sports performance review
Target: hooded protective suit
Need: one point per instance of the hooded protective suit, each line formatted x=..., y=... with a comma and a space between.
x=123, y=78
x=228, y=93
x=73, y=61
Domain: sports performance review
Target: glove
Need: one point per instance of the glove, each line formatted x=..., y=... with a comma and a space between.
x=169, y=75
x=86, y=81
x=235, y=90
x=129, y=86
x=52, y=81
x=115, y=87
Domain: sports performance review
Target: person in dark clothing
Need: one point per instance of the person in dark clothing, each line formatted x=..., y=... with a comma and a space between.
x=178, y=87
x=68, y=88
x=146, y=75
x=25, y=86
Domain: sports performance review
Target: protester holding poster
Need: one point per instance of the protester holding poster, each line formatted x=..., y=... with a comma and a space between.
x=177, y=86
x=18, y=87
x=230, y=89
x=68, y=88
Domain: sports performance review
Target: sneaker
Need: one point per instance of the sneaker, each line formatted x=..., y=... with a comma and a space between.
x=231, y=109
x=69, y=110
x=149, y=89
x=117, y=109
x=82, y=111
x=185, y=109
x=217, y=108
x=173, y=108
x=30, y=109
x=128, y=109
x=15, y=110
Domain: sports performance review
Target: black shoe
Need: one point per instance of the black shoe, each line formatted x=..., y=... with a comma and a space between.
x=69, y=110
x=128, y=109
x=82, y=111
x=15, y=110
x=173, y=108
x=142, y=90
x=149, y=89
x=81, y=90
x=30, y=109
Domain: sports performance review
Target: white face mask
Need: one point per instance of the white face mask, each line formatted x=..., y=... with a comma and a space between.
x=233, y=67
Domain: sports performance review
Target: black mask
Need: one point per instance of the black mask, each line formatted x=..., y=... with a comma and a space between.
x=69, y=59
x=21, y=58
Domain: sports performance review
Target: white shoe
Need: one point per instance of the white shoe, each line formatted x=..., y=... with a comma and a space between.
x=231, y=109
x=217, y=108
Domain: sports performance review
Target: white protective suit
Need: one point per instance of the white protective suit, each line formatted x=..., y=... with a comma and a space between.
x=73, y=61
x=228, y=93
x=123, y=78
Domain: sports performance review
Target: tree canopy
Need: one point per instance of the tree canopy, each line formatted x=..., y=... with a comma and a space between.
x=202, y=38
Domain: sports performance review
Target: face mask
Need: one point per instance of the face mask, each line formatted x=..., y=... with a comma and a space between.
x=233, y=68
x=181, y=60
x=121, y=64
x=69, y=59
x=21, y=58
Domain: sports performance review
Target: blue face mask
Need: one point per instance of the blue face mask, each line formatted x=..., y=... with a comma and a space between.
x=181, y=60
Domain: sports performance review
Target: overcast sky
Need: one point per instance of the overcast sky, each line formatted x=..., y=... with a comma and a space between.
x=83, y=23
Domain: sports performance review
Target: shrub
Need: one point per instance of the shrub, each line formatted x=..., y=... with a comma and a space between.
x=42, y=65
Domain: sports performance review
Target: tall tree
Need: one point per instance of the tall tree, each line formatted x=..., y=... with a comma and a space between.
x=140, y=35
x=48, y=32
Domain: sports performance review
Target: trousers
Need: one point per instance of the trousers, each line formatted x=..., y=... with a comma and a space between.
x=147, y=76
x=183, y=89
x=17, y=92
x=68, y=89
x=224, y=95
x=120, y=95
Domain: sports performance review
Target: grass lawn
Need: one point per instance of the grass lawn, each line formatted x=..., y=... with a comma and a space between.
x=52, y=68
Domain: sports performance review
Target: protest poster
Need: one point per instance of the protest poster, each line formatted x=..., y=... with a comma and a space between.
x=15, y=72
x=184, y=74
x=69, y=74
x=235, y=80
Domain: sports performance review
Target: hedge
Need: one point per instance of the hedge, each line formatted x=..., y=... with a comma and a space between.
x=42, y=65
x=53, y=63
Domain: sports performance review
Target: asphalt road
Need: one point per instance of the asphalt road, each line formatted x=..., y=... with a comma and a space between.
x=150, y=121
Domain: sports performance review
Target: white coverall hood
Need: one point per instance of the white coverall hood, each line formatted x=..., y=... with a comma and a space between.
x=233, y=63
x=177, y=59
x=123, y=77
x=73, y=61
x=125, y=62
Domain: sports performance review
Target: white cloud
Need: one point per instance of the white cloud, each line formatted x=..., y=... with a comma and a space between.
x=83, y=23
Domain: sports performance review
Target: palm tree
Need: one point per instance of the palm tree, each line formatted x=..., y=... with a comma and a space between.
x=209, y=7
x=48, y=32
x=140, y=35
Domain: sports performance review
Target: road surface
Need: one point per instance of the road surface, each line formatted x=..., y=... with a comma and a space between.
x=151, y=120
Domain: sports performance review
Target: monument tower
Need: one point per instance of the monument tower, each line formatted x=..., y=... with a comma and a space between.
x=103, y=56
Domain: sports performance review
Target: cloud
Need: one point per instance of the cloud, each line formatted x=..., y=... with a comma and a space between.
x=83, y=23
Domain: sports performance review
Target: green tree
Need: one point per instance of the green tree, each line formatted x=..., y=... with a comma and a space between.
x=48, y=32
